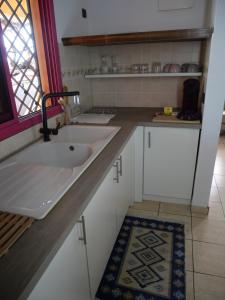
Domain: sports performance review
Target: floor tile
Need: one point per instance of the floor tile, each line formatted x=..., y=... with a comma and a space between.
x=189, y=285
x=208, y=230
x=220, y=180
x=176, y=209
x=214, y=195
x=177, y=218
x=142, y=213
x=221, y=192
x=215, y=212
x=188, y=255
x=146, y=205
x=209, y=258
x=200, y=210
x=209, y=287
x=219, y=170
x=213, y=182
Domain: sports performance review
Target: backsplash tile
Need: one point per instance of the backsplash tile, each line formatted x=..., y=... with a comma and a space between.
x=74, y=61
x=22, y=139
x=149, y=92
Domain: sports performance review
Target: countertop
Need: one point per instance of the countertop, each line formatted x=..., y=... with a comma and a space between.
x=23, y=265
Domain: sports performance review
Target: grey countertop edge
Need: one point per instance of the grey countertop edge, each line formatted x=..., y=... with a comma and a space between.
x=27, y=260
x=171, y=125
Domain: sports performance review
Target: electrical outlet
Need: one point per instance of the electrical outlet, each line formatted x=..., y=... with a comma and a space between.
x=84, y=13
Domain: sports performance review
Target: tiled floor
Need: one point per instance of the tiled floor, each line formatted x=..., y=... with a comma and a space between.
x=205, y=236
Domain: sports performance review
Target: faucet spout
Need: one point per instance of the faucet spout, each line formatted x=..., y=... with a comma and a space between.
x=45, y=130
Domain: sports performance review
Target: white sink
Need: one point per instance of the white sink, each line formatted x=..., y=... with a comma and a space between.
x=64, y=155
x=84, y=134
x=34, y=180
x=93, y=118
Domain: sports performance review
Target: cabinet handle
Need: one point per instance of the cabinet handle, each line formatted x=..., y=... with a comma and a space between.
x=149, y=139
x=82, y=222
x=116, y=178
x=121, y=165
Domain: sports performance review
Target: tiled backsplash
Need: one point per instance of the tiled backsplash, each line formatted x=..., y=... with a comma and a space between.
x=150, y=92
x=74, y=61
x=22, y=139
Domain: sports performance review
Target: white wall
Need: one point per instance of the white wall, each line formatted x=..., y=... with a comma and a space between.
x=214, y=103
x=69, y=21
x=73, y=59
x=113, y=16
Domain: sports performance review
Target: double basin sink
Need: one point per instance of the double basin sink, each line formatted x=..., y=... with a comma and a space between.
x=35, y=179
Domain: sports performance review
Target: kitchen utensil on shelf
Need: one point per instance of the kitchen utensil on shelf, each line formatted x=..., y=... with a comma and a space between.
x=184, y=67
x=174, y=68
x=156, y=67
x=115, y=67
x=166, y=68
x=135, y=68
x=144, y=68
x=193, y=68
x=190, y=68
x=104, y=64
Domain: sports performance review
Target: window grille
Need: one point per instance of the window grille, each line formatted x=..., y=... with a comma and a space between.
x=16, y=22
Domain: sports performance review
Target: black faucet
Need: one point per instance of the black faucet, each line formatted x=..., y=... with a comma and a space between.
x=45, y=130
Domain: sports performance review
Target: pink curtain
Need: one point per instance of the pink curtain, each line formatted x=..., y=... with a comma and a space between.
x=50, y=44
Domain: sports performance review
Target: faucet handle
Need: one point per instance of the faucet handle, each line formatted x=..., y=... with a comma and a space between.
x=58, y=124
x=55, y=131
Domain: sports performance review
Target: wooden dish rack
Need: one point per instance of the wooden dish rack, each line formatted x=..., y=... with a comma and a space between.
x=11, y=228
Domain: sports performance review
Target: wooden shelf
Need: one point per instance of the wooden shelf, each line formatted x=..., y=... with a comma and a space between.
x=141, y=75
x=140, y=37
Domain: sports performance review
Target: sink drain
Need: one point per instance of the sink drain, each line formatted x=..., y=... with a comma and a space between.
x=71, y=148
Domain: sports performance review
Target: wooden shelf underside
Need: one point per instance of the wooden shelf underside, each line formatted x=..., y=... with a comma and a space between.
x=141, y=75
x=140, y=37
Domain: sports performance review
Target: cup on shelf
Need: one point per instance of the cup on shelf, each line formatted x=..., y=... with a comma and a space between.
x=115, y=67
x=104, y=65
x=144, y=68
x=135, y=68
x=156, y=67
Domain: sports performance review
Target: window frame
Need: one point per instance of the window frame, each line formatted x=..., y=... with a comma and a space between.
x=38, y=10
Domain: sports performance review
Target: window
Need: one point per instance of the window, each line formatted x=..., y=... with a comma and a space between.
x=18, y=38
x=29, y=62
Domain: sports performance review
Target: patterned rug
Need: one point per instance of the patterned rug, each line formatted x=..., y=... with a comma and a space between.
x=146, y=263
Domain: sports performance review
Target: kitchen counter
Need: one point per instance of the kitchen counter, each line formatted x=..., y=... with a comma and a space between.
x=26, y=261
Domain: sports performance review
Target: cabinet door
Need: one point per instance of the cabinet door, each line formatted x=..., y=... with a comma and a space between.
x=125, y=186
x=67, y=276
x=169, y=161
x=101, y=232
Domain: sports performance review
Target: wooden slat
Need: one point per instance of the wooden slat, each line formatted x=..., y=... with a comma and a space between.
x=140, y=37
x=11, y=228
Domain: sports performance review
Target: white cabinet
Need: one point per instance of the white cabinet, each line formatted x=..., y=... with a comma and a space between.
x=100, y=227
x=169, y=162
x=138, y=163
x=125, y=181
x=105, y=213
x=67, y=275
x=77, y=268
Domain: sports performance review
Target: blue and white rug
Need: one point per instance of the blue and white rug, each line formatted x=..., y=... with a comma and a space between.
x=147, y=262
